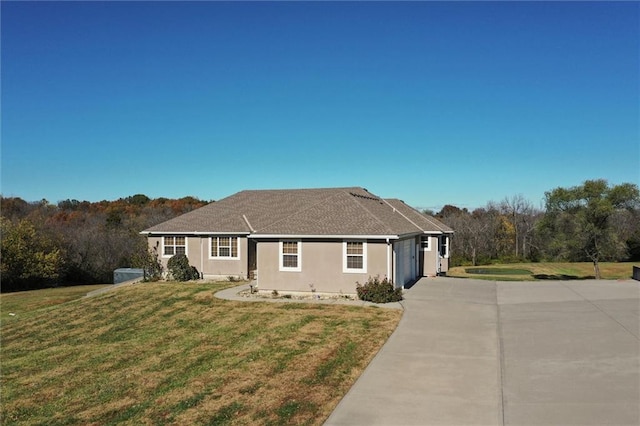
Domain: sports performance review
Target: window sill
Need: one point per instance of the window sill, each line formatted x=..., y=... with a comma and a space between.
x=354, y=271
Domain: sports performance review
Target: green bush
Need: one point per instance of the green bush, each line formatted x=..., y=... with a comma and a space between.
x=180, y=269
x=378, y=291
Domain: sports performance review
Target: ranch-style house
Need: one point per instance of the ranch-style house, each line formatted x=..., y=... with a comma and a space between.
x=303, y=240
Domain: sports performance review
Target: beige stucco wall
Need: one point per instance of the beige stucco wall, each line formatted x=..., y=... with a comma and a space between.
x=322, y=263
x=322, y=266
x=198, y=254
x=222, y=267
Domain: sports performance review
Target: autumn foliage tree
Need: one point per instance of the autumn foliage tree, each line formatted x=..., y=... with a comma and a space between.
x=78, y=242
x=28, y=258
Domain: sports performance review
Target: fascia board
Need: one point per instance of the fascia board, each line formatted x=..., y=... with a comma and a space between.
x=345, y=237
x=409, y=235
x=160, y=233
x=439, y=232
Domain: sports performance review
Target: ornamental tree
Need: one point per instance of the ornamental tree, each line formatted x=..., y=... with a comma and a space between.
x=578, y=220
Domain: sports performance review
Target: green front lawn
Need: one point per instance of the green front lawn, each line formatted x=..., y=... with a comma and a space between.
x=171, y=353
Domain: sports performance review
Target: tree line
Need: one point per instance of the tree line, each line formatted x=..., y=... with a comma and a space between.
x=78, y=242
x=593, y=222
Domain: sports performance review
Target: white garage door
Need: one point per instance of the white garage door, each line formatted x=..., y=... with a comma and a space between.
x=405, y=270
x=406, y=259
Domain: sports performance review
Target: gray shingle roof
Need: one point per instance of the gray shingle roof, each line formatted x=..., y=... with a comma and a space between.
x=327, y=211
x=427, y=223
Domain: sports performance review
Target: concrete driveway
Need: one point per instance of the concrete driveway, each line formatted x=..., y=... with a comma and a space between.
x=472, y=352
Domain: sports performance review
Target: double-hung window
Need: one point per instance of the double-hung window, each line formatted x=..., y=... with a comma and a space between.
x=354, y=255
x=174, y=245
x=290, y=256
x=224, y=247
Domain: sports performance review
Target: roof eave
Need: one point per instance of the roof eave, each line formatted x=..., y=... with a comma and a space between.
x=332, y=236
x=152, y=233
x=439, y=232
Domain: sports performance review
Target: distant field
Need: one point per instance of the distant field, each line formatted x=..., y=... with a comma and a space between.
x=543, y=271
x=487, y=270
x=169, y=353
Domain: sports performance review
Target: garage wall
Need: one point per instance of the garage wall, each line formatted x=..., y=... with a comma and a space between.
x=430, y=258
x=431, y=261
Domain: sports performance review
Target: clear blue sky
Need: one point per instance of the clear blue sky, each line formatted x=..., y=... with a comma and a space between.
x=431, y=102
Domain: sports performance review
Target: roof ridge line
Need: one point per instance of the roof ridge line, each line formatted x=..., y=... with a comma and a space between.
x=403, y=215
x=373, y=215
x=431, y=221
x=441, y=226
x=244, y=216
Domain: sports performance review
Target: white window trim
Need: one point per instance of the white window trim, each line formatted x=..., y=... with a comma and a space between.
x=364, y=258
x=426, y=238
x=212, y=257
x=186, y=245
x=281, y=257
x=447, y=242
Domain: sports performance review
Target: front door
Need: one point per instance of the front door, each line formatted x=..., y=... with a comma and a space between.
x=252, y=259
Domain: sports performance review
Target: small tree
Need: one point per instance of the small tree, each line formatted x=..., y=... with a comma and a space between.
x=180, y=269
x=151, y=264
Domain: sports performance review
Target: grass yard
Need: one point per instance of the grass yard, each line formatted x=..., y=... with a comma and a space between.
x=544, y=271
x=169, y=353
x=26, y=302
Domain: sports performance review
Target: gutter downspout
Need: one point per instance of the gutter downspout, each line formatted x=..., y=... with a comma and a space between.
x=394, y=265
x=389, y=277
x=253, y=231
x=201, y=258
